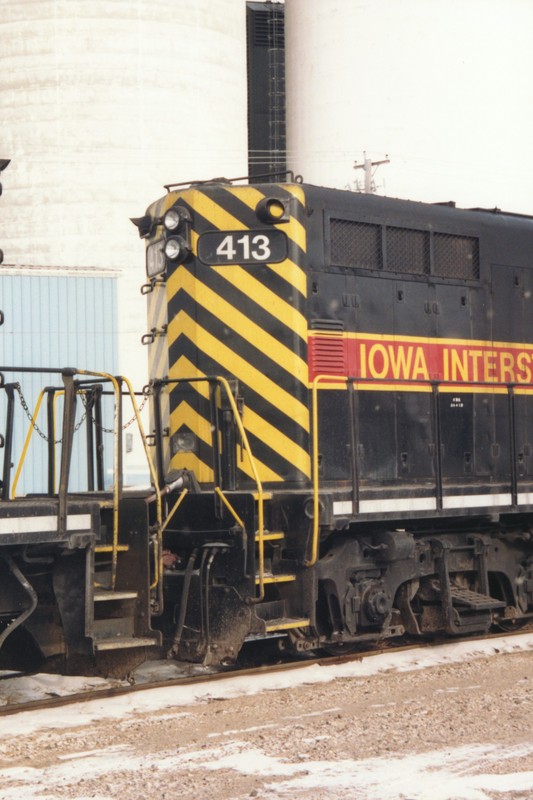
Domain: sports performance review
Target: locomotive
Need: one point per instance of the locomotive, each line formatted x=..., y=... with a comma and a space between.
x=342, y=391
x=340, y=443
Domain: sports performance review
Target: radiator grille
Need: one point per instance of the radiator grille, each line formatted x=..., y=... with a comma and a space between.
x=455, y=256
x=408, y=250
x=355, y=244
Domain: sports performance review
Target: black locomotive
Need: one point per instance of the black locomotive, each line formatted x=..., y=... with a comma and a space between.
x=342, y=390
x=341, y=438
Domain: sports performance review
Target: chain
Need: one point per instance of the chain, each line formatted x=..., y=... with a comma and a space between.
x=78, y=425
x=126, y=424
x=36, y=428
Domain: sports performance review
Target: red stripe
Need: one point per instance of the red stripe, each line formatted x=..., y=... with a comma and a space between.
x=365, y=357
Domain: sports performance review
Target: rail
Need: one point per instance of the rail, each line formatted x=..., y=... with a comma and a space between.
x=84, y=691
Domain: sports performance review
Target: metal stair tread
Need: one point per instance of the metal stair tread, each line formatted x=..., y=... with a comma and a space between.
x=474, y=600
x=286, y=623
x=270, y=536
x=117, y=643
x=101, y=595
x=269, y=577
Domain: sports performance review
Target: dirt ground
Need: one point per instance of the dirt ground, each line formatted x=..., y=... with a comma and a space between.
x=396, y=736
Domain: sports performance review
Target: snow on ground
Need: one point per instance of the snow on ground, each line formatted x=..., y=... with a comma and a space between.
x=270, y=747
x=454, y=774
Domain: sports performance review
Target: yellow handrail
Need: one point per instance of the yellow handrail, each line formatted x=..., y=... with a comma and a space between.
x=117, y=445
x=175, y=507
x=116, y=383
x=158, y=556
x=314, y=462
x=260, y=497
x=26, y=445
x=151, y=467
x=230, y=508
x=158, y=560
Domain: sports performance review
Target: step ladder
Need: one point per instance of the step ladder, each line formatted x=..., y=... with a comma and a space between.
x=465, y=610
x=117, y=619
x=114, y=621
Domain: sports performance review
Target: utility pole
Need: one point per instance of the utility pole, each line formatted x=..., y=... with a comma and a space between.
x=366, y=166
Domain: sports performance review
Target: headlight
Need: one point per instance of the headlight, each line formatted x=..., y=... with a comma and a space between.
x=172, y=220
x=176, y=248
x=175, y=218
x=183, y=442
x=272, y=210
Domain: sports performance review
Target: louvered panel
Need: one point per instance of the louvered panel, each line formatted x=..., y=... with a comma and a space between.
x=328, y=354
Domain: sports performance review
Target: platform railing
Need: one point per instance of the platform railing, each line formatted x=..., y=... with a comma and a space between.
x=436, y=388
x=72, y=388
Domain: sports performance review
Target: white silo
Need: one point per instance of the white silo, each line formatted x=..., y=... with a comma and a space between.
x=102, y=103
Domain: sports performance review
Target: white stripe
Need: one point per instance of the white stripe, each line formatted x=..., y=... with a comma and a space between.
x=390, y=504
x=476, y=500
x=48, y=524
x=342, y=507
x=524, y=498
x=385, y=505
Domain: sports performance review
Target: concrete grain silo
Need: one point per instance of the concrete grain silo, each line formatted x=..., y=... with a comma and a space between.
x=102, y=103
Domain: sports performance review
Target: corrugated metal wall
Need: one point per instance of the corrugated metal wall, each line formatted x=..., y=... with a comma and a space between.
x=54, y=321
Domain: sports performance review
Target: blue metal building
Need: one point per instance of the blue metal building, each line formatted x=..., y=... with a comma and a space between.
x=53, y=321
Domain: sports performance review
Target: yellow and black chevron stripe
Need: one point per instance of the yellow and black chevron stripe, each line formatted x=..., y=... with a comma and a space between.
x=246, y=322
x=158, y=366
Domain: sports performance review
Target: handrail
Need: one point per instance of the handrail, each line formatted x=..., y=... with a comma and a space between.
x=55, y=398
x=116, y=463
x=117, y=456
x=117, y=391
x=260, y=496
x=26, y=446
x=435, y=386
x=223, y=382
x=158, y=556
x=173, y=510
x=158, y=571
x=228, y=505
x=314, y=463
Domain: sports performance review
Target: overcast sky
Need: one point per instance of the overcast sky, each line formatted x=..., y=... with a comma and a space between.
x=443, y=87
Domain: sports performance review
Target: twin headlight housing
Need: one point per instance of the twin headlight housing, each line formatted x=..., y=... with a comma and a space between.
x=177, y=223
x=176, y=247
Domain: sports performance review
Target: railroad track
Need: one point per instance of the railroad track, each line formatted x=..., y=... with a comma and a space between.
x=100, y=693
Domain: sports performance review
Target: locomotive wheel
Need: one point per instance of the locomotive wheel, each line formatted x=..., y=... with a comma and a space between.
x=515, y=625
